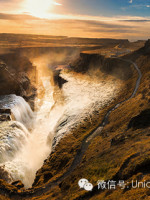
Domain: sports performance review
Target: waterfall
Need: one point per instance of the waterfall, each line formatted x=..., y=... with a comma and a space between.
x=13, y=135
x=18, y=107
x=82, y=96
x=29, y=158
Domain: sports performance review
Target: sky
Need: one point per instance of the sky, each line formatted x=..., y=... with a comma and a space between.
x=128, y=19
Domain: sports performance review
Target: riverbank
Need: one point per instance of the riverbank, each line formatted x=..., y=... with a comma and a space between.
x=107, y=152
x=119, y=152
x=60, y=161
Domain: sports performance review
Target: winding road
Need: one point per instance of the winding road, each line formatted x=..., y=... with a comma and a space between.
x=84, y=146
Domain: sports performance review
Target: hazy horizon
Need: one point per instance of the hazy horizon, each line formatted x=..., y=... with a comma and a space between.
x=65, y=36
x=120, y=19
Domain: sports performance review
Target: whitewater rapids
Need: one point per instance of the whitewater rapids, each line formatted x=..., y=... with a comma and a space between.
x=81, y=95
x=30, y=155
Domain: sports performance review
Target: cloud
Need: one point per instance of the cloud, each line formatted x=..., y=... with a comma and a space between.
x=17, y=17
x=136, y=6
x=130, y=27
x=131, y=1
x=57, y=4
x=10, y=5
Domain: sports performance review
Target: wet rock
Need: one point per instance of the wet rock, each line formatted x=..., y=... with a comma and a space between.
x=4, y=110
x=47, y=177
x=4, y=174
x=18, y=184
x=5, y=117
x=58, y=80
x=5, y=114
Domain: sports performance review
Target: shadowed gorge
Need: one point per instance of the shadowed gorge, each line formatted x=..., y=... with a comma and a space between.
x=69, y=113
x=115, y=67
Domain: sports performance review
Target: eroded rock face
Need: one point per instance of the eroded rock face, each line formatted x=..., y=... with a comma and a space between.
x=147, y=46
x=17, y=76
x=5, y=117
x=86, y=62
x=18, y=184
x=5, y=114
x=120, y=69
x=4, y=175
x=112, y=66
x=8, y=83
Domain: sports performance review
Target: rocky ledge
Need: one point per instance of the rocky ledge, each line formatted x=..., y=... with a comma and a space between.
x=17, y=76
x=87, y=63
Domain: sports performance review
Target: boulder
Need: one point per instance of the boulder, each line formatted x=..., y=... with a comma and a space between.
x=58, y=80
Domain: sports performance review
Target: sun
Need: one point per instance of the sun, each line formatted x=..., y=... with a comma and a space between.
x=39, y=8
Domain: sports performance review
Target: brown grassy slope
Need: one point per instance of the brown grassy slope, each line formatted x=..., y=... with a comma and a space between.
x=61, y=159
x=121, y=153
x=116, y=153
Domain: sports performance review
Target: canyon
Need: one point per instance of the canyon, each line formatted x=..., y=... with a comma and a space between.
x=67, y=115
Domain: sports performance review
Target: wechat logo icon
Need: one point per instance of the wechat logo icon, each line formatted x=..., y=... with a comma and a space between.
x=85, y=184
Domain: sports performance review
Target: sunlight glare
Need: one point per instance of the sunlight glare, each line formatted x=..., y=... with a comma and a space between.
x=39, y=8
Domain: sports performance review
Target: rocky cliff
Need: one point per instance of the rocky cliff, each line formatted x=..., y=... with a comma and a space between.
x=92, y=62
x=17, y=76
x=146, y=48
x=58, y=80
x=120, y=152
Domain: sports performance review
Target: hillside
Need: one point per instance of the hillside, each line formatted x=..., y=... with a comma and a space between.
x=119, y=152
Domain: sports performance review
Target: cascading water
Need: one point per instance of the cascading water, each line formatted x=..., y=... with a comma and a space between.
x=19, y=108
x=13, y=135
x=29, y=158
x=81, y=95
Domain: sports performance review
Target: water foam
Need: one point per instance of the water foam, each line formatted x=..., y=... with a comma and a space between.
x=32, y=154
x=82, y=97
x=19, y=108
